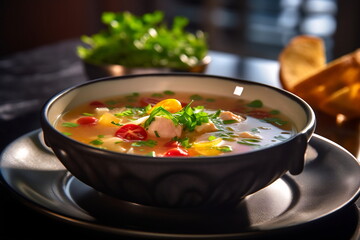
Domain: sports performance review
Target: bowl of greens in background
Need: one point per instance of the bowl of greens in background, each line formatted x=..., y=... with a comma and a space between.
x=142, y=44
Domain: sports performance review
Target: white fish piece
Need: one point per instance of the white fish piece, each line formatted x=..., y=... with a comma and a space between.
x=164, y=128
x=206, y=127
x=101, y=110
x=112, y=143
x=227, y=115
x=249, y=135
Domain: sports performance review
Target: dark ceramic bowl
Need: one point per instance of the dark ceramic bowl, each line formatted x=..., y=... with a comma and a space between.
x=179, y=182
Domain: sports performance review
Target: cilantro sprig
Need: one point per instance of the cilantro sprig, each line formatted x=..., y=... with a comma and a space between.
x=70, y=124
x=133, y=111
x=189, y=117
x=147, y=143
x=159, y=111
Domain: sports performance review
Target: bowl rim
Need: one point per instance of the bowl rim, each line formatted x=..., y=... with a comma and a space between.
x=307, y=130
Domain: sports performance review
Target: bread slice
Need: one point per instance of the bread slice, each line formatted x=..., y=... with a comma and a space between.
x=345, y=101
x=301, y=58
x=336, y=76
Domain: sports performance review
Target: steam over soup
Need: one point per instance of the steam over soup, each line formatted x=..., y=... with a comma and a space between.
x=176, y=124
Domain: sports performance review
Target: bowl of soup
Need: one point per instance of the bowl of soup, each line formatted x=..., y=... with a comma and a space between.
x=178, y=140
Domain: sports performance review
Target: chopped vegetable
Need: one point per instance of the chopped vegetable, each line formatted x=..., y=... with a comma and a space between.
x=131, y=132
x=108, y=119
x=87, y=121
x=176, y=152
x=171, y=105
x=97, y=104
x=209, y=148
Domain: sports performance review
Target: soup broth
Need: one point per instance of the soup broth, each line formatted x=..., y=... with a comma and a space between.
x=176, y=124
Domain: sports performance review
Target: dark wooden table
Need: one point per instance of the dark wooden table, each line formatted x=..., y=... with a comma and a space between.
x=27, y=79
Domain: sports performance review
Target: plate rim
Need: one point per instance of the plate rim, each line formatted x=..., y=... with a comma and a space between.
x=98, y=226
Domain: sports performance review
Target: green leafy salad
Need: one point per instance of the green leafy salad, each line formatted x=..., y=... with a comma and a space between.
x=144, y=41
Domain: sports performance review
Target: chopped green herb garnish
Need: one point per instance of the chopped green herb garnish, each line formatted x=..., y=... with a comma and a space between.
x=225, y=148
x=185, y=142
x=87, y=114
x=127, y=112
x=67, y=133
x=249, y=142
x=210, y=100
x=228, y=136
x=255, y=130
x=191, y=117
x=111, y=102
x=274, y=112
x=229, y=121
x=276, y=121
x=230, y=129
x=96, y=142
x=159, y=111
x=255, y=104
x=156, y=134
x=215, y=115
x=210, y=138
x=280, y=138
x=151, y=154
x=69, y=124
x=117, y=124
x=196, y=97
x=188, y=117
x=168, y=92
x=101, y=136
x=147, y=143
x=131, y=111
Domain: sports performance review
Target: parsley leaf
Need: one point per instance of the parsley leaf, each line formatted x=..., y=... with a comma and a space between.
x=147, y=143
x=196, y=97
x=230, y=121
x=249, y=142
x=255, y=104
x=69, y=124
x=87, y=114
x=184, y=142
x=96, y=142
x=274, y=120
x=224, y=148
x=168, y=92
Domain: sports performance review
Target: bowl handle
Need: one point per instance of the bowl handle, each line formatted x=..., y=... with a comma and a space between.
x=298, y=153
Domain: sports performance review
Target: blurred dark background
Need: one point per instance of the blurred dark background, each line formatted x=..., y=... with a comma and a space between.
x=258, y=28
